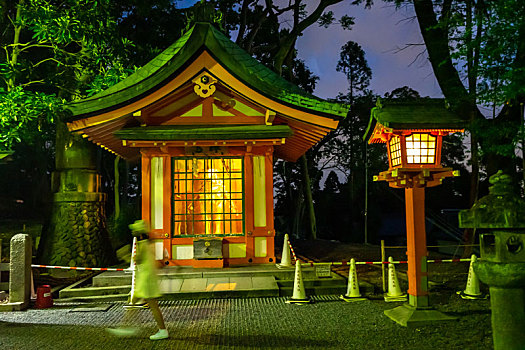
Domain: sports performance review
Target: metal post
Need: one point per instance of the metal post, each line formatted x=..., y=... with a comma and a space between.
x=383, y=257
x=523, y=143
x=366, y=202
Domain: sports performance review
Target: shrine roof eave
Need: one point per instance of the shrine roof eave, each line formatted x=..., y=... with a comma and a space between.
x=191, y=132
x=422, y=114
x=166, y=66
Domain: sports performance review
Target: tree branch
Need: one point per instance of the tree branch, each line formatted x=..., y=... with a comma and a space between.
x=286, y=43
x=436, y=41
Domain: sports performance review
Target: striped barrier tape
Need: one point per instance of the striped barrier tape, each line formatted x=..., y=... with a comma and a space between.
x=342, y=263
x=448, y=260
x=80, y=268
x=345, y=263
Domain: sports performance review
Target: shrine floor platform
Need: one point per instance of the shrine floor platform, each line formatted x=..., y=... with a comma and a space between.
x=202, y=283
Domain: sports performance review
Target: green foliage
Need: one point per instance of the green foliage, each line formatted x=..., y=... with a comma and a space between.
x=353, y=64
x=301, y=75
x=326, y=19
x=403, y=93
x=59, y=51
x=108, y=77
x=20, y=109
x=347, y=22
x=491, y=31
x=502, y=76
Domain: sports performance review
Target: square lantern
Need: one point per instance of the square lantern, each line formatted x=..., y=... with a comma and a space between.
x=419, y=149
x=413, y=132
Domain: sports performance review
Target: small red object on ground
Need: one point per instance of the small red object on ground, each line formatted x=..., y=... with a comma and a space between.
x=43, y=297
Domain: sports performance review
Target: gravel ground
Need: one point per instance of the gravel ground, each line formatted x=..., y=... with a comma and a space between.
x=256, y=323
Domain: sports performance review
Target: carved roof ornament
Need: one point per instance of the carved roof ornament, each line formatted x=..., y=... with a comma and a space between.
x=204, y=85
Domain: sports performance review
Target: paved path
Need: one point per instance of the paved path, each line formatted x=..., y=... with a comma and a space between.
x=256, y=323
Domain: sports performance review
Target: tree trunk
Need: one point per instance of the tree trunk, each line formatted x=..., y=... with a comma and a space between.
x=312, y=228
x=437, y=44
x=117, y=189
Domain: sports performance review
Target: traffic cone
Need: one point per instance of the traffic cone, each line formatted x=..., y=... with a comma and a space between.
x=286, y=260
x=472, y=290
x=394, y=290
x=352, y=291
x=132, y=267
x=299, y=295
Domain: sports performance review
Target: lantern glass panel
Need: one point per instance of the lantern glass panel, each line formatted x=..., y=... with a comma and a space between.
x=395, y=150
x=421, y=149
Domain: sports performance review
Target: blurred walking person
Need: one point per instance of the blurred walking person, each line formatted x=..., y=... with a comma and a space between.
x=146, y=284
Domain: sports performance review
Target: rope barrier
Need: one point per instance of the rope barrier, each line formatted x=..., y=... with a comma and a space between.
x=291, y=249
x=434, y=246
x=345, y=263
x=80, y=268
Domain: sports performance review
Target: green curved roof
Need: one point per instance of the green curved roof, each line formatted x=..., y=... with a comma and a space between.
x=424, y=113
x=164, y=67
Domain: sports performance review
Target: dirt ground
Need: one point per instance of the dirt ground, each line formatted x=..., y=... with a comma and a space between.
x=445, y=279
x=442, y=276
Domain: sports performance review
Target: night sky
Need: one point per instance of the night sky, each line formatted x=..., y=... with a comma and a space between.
x=380, y=31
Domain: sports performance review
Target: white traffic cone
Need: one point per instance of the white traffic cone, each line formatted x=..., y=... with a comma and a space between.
x=286, y=260
x=394, y=290
x=299, y=295
x=472, y=290
x=352, y=291
x=133, y=267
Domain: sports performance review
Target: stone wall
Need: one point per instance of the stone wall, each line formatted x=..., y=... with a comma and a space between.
x=77, y=234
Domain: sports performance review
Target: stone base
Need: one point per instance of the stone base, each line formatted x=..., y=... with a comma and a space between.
x=76, y=236
x=351, y=299
x=409, y=316
x=14, y=306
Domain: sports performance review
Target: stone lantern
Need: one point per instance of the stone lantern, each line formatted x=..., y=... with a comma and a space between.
x=501, y=215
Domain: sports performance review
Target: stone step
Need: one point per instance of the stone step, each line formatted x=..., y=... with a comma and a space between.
x=189, y=288
x=112, y=278
x=119, y=278
x=93, y=291
x=93, y=298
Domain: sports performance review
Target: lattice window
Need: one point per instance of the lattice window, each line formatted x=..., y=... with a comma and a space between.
x=395, y=150
x=208, y=196
x=421, y=149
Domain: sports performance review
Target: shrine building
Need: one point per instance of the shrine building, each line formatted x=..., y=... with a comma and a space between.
x=207, y=121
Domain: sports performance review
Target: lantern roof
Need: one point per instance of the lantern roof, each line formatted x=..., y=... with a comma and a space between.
x=203, y=36
x=426, y=114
